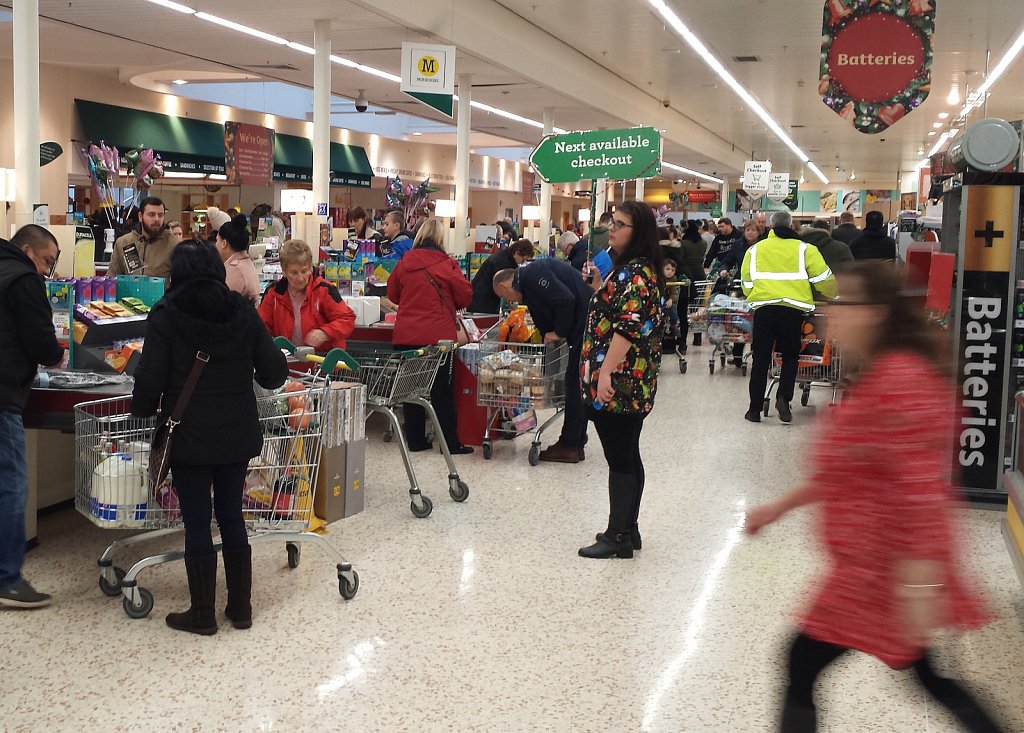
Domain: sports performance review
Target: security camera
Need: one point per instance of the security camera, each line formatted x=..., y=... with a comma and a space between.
x=666, y=103
x=361, y=103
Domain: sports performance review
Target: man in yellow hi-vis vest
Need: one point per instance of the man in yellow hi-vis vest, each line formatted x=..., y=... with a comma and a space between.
x=779, y=275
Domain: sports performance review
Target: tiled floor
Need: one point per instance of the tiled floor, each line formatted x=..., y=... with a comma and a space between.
x=482, y=617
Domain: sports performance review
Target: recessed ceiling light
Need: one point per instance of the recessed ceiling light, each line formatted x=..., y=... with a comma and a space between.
x=417, y=134
x=920, y=151
x=937, y=125
x=943, y=115
x=932, y=133
x=179, y=82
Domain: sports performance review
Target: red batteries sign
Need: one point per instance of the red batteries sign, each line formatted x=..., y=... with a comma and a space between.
x=876, y=60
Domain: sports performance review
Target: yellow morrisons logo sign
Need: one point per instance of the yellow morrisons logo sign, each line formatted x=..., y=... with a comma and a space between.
x=428, y=66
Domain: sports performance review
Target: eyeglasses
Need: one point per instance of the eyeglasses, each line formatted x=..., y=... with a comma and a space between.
x=619, y=224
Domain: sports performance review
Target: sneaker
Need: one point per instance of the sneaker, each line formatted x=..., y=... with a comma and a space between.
x=753, y=415
x=23, y=595
x=785, y=414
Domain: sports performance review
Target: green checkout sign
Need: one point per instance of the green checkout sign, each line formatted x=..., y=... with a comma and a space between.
x=613, y=154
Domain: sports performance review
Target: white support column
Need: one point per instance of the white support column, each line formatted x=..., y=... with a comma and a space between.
x=545, y=190
x=725, y=196
x=462, y=223
x=640, y=189
x=602, y=198
x=321, y=120
x=26, y=109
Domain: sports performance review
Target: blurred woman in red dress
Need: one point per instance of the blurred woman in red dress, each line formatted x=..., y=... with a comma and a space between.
x=880, y=475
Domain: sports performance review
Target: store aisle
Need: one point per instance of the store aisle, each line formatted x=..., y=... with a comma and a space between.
x=483, y=618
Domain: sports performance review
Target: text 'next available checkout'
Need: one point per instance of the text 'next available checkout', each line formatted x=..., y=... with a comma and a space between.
x=633, y=142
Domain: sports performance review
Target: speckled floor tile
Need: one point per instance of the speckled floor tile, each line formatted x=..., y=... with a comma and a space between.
x=483, y=618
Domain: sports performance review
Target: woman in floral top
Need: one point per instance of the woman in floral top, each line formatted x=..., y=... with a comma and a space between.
x=619, y=366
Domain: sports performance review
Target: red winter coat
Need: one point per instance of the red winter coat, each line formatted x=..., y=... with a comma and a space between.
x=423, y=318
x=323, y=309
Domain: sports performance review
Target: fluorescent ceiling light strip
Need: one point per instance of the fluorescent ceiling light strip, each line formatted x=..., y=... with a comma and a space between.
x=708, y=58
x=174, y=6
x=242, y=28
x=382, y=74
x=977, y=97
x=816, y=171
x=690, y=172
x=507, y=115
x=938, y=144
x=300, y=47
x=344, y=62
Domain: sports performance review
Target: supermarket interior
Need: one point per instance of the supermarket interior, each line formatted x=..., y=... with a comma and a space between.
x=419, y=301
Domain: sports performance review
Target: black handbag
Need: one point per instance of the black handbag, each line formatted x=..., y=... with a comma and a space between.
x=160, y=448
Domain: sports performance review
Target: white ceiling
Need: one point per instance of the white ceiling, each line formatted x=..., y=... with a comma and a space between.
x=612, y=37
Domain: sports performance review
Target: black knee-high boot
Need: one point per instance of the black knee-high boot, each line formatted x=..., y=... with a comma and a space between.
x=238, y=576
x=200, y=618
x=617, y=540
x=798, y=716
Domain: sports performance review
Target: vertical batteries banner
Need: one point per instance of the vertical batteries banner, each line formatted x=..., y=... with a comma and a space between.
x=248, y=154
x=989, y=246
x=876, y=60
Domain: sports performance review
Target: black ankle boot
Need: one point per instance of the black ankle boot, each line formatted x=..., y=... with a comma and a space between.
x=798, y=717
x=238, y=575
x=200, y=618
x=610, y=544
x=634, y=536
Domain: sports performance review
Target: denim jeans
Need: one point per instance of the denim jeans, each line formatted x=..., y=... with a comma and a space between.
x=13, y=495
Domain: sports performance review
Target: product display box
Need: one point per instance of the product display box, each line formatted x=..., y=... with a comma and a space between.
x=340, y=481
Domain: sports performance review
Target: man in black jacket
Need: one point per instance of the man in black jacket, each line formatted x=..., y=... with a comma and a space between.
x=728, y=237
x=873, y=243
x=28, y=339
x=558, y=299
x=847, y=231
x=511, y=257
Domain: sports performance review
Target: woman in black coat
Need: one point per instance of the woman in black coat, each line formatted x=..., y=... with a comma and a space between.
x=220, y=429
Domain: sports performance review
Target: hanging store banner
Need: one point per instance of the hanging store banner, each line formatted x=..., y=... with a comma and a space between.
x=778, y=187
x=528, y=187
x=613, y=154
x=701, y=196
x=248, y=154
x=428, y=74
x=792, y=200
x=876, y=60
x=756, y=175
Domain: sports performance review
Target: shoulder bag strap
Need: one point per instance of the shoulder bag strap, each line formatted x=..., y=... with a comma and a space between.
x=190, y=387
x=447, y=305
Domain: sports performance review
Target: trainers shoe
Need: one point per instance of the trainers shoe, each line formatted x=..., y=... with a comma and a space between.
x=23, y=595
x=559, y=453
x=753, y=415
x=785, y=414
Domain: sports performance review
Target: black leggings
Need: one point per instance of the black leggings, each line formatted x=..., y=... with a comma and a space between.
x=620, y=440
x=809, y=657
x=193, y=486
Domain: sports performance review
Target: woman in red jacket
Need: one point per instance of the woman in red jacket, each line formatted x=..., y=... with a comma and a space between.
x=888, y=515
x=429, y=288
x=303, y=307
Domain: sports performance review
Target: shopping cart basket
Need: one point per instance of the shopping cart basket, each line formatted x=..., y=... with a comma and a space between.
x=392, y=378
x=730, y=321
x=514, y=380
x=820, y=365
x=113, y=490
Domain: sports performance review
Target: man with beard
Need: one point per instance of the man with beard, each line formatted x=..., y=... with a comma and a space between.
x=147, y=252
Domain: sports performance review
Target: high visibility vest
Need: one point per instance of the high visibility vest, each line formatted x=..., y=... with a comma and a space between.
x=779, y=271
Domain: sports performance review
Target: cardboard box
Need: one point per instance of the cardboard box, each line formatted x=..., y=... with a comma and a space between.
x=340, y=481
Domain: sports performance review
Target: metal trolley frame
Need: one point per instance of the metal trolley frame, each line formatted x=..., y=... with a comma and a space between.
x=532, y=378
x=392, y=378
x=731, y=325
x=113, y=489
x=828, y=375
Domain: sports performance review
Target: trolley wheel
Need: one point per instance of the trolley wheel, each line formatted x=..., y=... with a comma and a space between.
x=461, y=493
x=534, y=456
x=767, y=406
x=389, y=435
x=805, y=396
x=294, y=555
x=424, y=512
x=743, y=370
x=112, y=589
x=711, y=366
x=143, y=608
x=682, y=366
x=348, y=590
x=488, y=451
x=722, y=359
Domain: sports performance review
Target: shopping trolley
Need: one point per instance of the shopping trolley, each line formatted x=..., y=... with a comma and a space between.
x=515, y=380
x=697, y=310
x=392, y=378
x=684, y=287
x=113, y=489
x=730, y=321
x=820, y=364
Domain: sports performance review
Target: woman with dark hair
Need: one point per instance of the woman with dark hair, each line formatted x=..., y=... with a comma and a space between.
x=888, y=517
x=200, y=318
x=233, y=247
x=619, y=367
x=358, y=220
